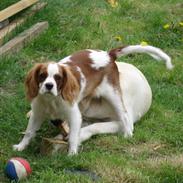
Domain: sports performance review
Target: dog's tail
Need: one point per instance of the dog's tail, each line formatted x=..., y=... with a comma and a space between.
x=156, y=53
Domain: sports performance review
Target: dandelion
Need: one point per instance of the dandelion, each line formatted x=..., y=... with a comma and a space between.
x=113, y=3
x=181, y=24
x=166, y=26
x=118, y=38
x=143, y=43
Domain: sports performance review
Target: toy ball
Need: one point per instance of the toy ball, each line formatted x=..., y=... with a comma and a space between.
x=17, y=169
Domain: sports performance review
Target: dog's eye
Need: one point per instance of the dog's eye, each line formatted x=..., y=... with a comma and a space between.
x=57, y=77
x=42, y=77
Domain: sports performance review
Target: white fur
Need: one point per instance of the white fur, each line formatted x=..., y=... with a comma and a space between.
x=136, y=92
x=52, y=70
x=110, y=94
x=65, y=60
x=75, y=121
x=156, y=53
x=99, y=58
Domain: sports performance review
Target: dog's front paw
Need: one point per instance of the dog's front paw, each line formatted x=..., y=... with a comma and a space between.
x=128, y=134
x=72, y=153
x=18, y=147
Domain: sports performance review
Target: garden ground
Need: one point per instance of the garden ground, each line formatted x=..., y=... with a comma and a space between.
x=155, y=152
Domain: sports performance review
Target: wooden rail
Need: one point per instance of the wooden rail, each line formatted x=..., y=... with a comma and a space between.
x=15, y=8
x=19, y=41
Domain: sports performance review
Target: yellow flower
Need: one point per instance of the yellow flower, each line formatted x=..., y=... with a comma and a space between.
x=181, y=24
x=166, y=26
x=118, y=38
x=113, y=3
x=143, y=43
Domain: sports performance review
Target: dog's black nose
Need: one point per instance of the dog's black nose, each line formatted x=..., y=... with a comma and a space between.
x=49, y=86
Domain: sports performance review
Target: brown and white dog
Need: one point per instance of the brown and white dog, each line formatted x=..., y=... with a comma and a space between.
x=89, y=84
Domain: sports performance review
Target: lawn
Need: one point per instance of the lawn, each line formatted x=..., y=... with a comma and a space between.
x=155, y=152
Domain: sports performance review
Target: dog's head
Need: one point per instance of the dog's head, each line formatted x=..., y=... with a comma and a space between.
x=51, y=79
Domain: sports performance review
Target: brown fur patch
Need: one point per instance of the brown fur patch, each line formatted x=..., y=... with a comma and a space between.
x=33, y=78
x=114, y=52
x=70, y=86
x=94, y=76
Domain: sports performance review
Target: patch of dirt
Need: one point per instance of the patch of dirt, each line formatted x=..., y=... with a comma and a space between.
x=145, y=147
x=111, y=173
x=6, y=92
x=174, y=160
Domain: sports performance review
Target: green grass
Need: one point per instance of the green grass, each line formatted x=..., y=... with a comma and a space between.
x=154, y=152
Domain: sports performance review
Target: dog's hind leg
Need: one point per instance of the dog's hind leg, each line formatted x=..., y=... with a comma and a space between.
x=122, y=115
x=98, y=128
x=122, y=122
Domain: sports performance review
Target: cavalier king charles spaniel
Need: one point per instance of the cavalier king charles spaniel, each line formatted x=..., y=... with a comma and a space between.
x=89, y=85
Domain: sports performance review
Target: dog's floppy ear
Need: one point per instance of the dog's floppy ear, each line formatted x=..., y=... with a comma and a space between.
x=70, y=87
x=31, y=82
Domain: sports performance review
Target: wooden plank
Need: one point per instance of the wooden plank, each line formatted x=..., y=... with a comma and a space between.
x=18, y=42
x=15, y=8
x=55, y=141
x=4, y=23
x=9, y=28
x=19, y=21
